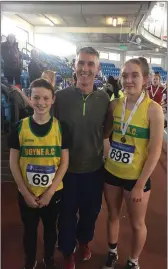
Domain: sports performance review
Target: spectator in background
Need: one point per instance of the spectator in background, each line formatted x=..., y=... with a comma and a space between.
x=156, y=89
x=50, y=76
x=112, y=88
x=35, y=67
x=47, y=75
x=12, y=60
x=74, y=79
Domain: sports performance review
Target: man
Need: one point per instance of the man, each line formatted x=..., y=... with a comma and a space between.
x=35, y=67
x=83, y=111
x=12, y=60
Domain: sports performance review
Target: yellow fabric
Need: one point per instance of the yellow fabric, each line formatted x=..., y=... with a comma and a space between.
x=137, y=136
x=42, y=151
x=120, y=93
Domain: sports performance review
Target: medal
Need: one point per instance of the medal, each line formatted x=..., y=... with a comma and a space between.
x=153, y=94
x=123, y=139
x=125, y=125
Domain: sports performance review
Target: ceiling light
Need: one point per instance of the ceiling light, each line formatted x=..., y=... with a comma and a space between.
x=54, y=20
x=46, y=20
x=114, y=22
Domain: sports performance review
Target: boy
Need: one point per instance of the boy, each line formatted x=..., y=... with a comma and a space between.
x=38, y=161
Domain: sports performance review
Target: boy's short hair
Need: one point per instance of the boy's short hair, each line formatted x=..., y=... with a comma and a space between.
x=43, y=83
x=88, y=50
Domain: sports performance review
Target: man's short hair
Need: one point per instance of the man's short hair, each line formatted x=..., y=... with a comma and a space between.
x=42, y=83
x=88, y=50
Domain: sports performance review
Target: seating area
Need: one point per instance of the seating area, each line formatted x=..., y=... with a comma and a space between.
x=56, y=64
x=109, y=69
x=162, y=72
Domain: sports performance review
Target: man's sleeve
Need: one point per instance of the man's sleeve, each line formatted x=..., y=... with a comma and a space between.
x=13, y=139
x=55, y=106
x=65, y=136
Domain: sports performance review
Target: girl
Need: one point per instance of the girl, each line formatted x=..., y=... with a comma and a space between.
x=136, y=144
x=156, y=89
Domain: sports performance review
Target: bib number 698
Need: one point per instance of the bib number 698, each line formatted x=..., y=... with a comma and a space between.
x=120, y=156
x=40, y=179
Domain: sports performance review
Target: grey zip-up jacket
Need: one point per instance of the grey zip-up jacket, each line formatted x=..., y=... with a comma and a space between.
x=84, y=117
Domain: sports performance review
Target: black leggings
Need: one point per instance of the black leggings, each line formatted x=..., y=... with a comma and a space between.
x=30, y=218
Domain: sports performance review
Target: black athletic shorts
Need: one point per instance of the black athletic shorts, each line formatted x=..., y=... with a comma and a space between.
x=126, y=184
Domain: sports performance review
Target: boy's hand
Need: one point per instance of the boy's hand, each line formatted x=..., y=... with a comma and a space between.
x=31, y=200
x=45, y=199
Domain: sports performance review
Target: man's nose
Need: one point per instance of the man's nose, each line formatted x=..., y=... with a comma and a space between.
x=85, y=67
x=41, y=101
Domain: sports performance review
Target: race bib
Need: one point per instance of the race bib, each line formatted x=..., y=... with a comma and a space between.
x=39, y=175
x=121, y=152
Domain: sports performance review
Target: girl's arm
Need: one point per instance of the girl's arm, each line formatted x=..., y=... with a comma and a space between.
x=156, y=122
x=108, y=124
x=25, y=98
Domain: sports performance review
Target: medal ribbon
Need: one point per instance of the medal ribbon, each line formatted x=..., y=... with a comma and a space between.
x=125, y=126
x=153, y=94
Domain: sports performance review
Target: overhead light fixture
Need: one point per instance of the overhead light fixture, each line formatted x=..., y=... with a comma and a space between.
x=54, y=19
x=114, y=22
x=47, y=20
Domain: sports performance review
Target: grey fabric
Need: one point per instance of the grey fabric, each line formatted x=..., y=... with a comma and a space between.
x=85, y=131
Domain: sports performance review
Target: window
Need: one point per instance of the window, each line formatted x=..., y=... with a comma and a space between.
x=156, y=61
x=114, y=56
x=103, y=55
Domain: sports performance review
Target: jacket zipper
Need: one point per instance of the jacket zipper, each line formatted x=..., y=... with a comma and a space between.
x=84, y=103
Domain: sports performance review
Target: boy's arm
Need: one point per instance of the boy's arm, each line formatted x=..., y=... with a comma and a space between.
x=16, y=172
x=30, y=199
x=47, y=195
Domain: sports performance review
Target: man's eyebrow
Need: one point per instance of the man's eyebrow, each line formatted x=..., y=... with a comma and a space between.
x=82, y=61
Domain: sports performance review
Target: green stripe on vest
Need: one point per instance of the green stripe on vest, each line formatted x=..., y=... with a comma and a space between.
x=134, y=131
x=40, y=151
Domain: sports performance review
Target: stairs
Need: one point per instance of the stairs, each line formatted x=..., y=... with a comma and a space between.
x=6, y=175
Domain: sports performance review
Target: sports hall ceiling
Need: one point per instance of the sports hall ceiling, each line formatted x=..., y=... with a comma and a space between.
x=86, y=23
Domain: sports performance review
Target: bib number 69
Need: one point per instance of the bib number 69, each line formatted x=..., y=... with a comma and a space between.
x=40, y=179
x=120, y=156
